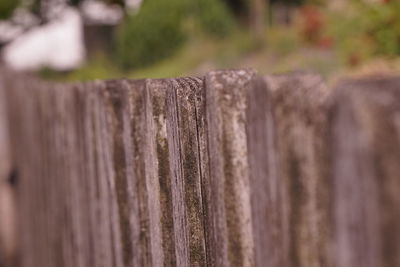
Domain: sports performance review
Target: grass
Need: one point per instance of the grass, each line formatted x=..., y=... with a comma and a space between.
x=282, y=50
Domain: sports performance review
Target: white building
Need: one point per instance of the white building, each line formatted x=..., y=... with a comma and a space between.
x=58, y=44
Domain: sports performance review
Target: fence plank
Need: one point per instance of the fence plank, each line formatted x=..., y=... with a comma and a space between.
x=299, y=117
x=265, y=185
x=187, y=164
x=364, y=131
x=8, y=240
x=160, y=173
x=232, y=239
x=137, y=139
x=286, y=129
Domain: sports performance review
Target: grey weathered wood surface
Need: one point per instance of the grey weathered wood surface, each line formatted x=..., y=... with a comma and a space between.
x=7, y=194
x=232, y=238
x=364, y=128
x=286, y=130
x=230, y=169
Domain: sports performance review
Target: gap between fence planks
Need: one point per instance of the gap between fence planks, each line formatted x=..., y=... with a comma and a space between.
x=229, y=169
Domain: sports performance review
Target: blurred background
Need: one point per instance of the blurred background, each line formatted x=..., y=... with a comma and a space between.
x=97, y=39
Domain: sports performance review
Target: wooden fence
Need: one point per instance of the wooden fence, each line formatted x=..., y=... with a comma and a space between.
x=230, y=169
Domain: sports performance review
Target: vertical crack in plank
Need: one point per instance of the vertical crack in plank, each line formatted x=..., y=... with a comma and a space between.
x=177, y=177
x=159, y=178
x=204, y=169
x=199, y=100
x=185, y=96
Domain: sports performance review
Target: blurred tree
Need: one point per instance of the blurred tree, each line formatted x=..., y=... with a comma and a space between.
x=251, y=13
x=152, y=34
x=367, y=29
x=239, y=8
x=214, y=17
x=281, y=11
x=257, y=17
x=7, y=7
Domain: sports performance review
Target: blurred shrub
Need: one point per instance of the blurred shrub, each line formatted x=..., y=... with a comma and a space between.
x=160, y=28
x=367, y=29
x=98, y=67
x=283, y=40
x=214, y=17
x=7, y=7
x=154, y=33
x=311, y=23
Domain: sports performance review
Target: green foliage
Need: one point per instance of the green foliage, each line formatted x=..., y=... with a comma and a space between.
x=283, y=40
x=213, y=17
x=161, y=27
x=367, y=29
x=99, y=67
x=7, y=7
x=153, y=34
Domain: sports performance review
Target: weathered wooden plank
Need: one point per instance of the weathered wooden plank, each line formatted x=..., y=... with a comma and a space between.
x=265, y=182
x=180, y=227
x=21, y=132
x=365, y=147
x=187, y=160
x=146, y=239
x=122, y=184
x=65, y=154
x=299, y=188
x=37, y=179
x=230, y=225
x=8, y=242
x=158, y=176
x=71, y=179
x=85, y=200
x=286, y=129
x=138, y=141
x=173, y=140
x=92, y=207
x=26, y=129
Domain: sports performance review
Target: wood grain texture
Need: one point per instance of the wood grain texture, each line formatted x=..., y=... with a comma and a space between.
x=265, y=183
x=230, y=211
x=185, y=93
x=287, y=156
x=230, y=169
